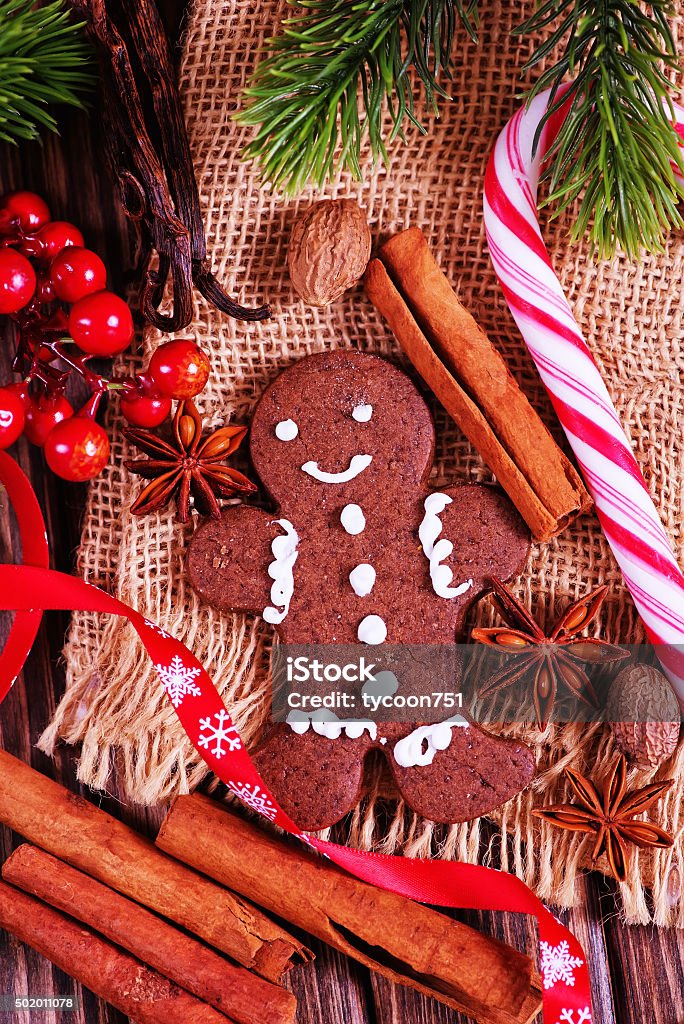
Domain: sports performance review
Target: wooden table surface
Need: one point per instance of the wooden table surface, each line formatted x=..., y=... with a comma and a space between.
x=637, y=972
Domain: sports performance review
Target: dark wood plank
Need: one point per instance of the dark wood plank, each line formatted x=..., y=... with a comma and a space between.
x=588, y=925
x=336, y=990
x=646, y=965
x=394, y=1003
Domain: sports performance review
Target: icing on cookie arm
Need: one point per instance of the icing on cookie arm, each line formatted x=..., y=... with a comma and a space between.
x=452, y=520
x=437, y=549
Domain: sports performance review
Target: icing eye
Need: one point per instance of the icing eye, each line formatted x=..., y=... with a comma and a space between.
x=362, y=413
x=286, y=430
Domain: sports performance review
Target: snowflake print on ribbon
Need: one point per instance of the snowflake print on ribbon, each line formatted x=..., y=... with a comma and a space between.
x=254, y=797
x=222, y=733
x=557, y=964
x=575, y=1016
x=177, y=680
x=157, y=629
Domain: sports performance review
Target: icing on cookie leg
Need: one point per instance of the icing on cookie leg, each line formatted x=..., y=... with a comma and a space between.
x=421, y=745
x=329, y=725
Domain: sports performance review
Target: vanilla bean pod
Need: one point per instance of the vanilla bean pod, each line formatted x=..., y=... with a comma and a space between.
x=151, y=159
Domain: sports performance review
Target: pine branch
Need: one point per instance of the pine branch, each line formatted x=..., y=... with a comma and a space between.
x=615, y=149
x=333, y=72
x=43, y=60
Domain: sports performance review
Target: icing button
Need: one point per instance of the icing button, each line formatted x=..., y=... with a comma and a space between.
x=353, y=519
x=372, y=630
x=362, y=413
x=362, y=579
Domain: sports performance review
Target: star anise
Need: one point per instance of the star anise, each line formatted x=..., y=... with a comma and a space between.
x=554, y=658
x=189, y=464
x=610, y=814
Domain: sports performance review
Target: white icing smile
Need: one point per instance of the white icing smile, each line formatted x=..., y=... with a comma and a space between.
x=437, y=551
x=280, y=570
x=421, y=745
x=356, y=466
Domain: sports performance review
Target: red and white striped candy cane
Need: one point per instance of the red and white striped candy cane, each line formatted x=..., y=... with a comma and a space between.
x=629, y=518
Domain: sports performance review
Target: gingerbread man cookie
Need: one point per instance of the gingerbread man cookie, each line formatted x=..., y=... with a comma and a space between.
x=359, y=552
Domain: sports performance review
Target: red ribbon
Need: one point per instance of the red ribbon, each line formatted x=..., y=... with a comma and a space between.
x=32, y=588
x=35, y=551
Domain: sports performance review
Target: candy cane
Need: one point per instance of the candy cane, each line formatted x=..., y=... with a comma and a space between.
x=536, y=299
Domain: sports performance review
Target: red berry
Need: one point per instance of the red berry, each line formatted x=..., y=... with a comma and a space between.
x=77, y=449
x=20, y=389
x=76, y=272
x=101, y=324
x=45, y=292
x=58, y=235
x=17, y=281
x=25, y=210
x=43, y=414
x=11, y=417
x=143, y=406
x=145, y=410
x=180, y=369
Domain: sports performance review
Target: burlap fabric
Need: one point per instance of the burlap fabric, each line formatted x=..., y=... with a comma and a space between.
x=633, y=318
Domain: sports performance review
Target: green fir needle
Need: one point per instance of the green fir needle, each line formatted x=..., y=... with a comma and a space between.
x=44, y=59
x=615, y=151
x=304, y=97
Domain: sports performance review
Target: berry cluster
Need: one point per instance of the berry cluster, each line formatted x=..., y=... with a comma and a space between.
x=55, y=291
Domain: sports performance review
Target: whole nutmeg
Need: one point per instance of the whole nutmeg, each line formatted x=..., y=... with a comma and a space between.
x=644, y=715
x=329, y=250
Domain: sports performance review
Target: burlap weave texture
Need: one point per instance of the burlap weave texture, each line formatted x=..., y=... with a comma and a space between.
x=632, y=316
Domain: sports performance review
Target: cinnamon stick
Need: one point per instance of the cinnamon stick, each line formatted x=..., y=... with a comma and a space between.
x=242, y=996
x=79, y=833
x=115, y=976
x=458, y=362
x=401, y=939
